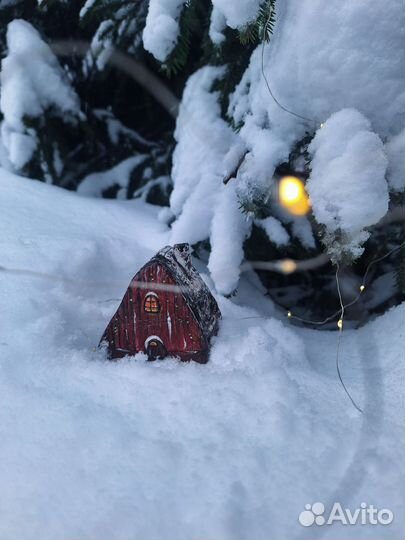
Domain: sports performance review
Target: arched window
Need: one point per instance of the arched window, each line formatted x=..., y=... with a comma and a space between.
x=151, y=304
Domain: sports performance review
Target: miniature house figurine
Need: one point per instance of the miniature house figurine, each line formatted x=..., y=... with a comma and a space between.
x=167, y=310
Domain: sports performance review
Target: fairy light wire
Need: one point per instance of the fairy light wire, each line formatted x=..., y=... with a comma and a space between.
x=342, y=311
x=380, y=259
x=362, y=288
x=340, y=336
x=280, y=105
x=176, y=288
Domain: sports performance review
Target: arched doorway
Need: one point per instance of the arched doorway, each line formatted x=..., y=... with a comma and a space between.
x=154, y=348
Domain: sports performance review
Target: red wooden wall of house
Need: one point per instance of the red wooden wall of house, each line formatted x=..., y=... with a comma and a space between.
x=174, y=324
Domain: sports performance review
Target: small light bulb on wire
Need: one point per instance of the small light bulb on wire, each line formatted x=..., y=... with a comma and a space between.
x=362, y=287
x=292, y=195
x=288, y=266
x=340, y=324
x=289, y=314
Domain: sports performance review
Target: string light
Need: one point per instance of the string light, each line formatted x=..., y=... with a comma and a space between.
x=342, y=313
x=288, y=266
x=361, y=288
x=289, y=314
x=293, y=196
x=276, y=101
x=340, y=326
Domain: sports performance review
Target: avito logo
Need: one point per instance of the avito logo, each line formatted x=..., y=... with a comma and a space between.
x=366, y=514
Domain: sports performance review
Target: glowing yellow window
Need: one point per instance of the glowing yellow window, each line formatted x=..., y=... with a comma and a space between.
x=151, y=304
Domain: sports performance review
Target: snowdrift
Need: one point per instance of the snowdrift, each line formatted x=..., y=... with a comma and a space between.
x=231, y=450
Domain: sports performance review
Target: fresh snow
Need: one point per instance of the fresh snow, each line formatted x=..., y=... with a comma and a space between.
x=217, y=26
x=94, y=184
x=31, y=82
x=229, y=230
x=86, y=6
x=203, y=136
x=274, y=230
x=162, y=27
x=321, y=62
x=347, y=185
x=237, y=13
x=101, y=47
x=209, y=140
x=233, y=449
x=395, y=150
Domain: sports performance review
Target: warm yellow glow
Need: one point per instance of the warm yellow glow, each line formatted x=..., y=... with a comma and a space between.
x=362, y=287
x=293, y=196
x=289, y=314
x=340, y=324
x=288, y=266
x=321, y=126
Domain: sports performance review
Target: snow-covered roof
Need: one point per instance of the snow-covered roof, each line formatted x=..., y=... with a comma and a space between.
x=177, y=260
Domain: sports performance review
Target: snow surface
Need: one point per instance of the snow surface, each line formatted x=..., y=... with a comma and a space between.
x=202, y=134
x=86, y=6
x=395, y=149
x=237, y=13
x=206, y=137
x=94, y=184
x=347, y=185
x=31, y=82
x=217, y=25
x=335, y=62
x=229, y=230
x=169, y=451
x=274, y=230
x=101, y=47
x=162, y=27
x=162, y=23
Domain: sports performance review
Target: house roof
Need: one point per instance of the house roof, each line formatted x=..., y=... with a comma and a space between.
x=177, y=260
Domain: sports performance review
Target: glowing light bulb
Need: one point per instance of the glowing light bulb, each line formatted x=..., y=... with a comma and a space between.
x=289, y=314
x=290, y=189
x=292, y=195
x=340, y=324
x=288, y=266
x=321, y=125
x=362, y=287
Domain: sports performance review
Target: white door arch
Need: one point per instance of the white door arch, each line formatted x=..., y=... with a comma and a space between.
x=155, y=348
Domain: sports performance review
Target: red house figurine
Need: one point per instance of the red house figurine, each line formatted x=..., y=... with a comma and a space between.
x=167, y=310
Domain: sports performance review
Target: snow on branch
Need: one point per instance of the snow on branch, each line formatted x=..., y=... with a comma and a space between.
x=162, y=27
x=31, y=82
x=347, y=185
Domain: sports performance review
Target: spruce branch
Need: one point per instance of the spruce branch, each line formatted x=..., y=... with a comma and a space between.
x=190, y=24
x=262, y=28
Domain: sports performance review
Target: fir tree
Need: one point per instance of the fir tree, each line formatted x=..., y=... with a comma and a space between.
x=116, y=120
